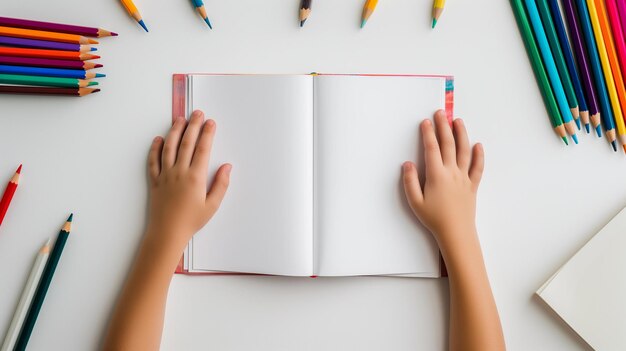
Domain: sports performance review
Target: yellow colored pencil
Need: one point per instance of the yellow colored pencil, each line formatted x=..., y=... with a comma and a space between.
x=608, y=74
x=437, y=10
x=368, y=9
x=132, y=10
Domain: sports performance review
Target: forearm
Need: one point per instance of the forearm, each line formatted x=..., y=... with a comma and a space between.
x=474, y=320
x=137, y=321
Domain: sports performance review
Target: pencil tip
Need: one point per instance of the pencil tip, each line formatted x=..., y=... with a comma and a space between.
x=69, y=219
x=577, y=120
x=19, y=169
x=363, y=21
x=565, y=140
x=143, y=25
x=113, y=34
x=91, y=41
x=92, y=83
x=302, y=22
x=575, y=138
x=434, y=23
x=587, y=127
x=95, y=90
x=624, y=147
x=98, y=65
x=599, y=131
x=94, y=49
x=614, y=144
x=100, y=75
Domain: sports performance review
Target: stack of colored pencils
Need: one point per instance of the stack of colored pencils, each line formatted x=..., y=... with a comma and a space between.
x=578, y=54
x=48, y=58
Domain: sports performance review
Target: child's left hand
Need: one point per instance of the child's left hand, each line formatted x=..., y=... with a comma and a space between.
x=178, y=168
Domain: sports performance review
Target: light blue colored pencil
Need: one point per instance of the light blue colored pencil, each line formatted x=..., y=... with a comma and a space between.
x=49, y=72
x=202, y=11
x=550, y=65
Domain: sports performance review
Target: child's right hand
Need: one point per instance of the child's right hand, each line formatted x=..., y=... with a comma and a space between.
x=446, y=204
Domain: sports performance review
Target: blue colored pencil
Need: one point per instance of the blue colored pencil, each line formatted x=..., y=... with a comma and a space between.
x=49, y=72
x=606, y=113
x=550, y=65
x=199, y=5
x=569, y=61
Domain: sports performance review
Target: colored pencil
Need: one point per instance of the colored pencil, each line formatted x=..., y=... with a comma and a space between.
x=132, y=10
x=28, y=61
x=571, y=17
x=604, y=103
x=47, y=54
x=199, y=5
x=368, y=9
x=618, y=33
x=45, y=81
x=13, y=89
x=621, y=8
x=569, y=60
x=612, y=72
x=9, y=191
x=26, y=298
x=557, y=53
x=43, y=35
x=540, y=72
x=606, y=67
x=55, y=27
x=44, y=44
x=437, y=11
x=49, y=72
x=43, y=286
x=550, y=65
x=305, y=11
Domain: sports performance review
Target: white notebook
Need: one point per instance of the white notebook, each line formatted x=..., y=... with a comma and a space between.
x=589, y=291
x=316, y=184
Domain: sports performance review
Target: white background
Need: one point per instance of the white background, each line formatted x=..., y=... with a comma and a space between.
x=539, y=200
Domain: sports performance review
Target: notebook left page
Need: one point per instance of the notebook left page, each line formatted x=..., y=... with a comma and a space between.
x=265, y=130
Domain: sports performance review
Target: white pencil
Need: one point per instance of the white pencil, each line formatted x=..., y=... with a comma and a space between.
x=26, y=298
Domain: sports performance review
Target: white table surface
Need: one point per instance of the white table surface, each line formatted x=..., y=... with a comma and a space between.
x=538, y=203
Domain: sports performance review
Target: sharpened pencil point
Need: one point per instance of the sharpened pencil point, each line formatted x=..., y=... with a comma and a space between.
x=92, y=83
x=95, y=90
x=94, y=49
x=98, y=65
x=206, y=19
x=434, y=23
x=624, y=146
x=587, y=127
x=599, y=131
x=577, y=123
x=100, y=75
x=363, y=21
x=614, y=144
x=113, y=34
x=565, y=140
x=575, y=138
x=302, y=22
x=69, y=219
x=143, y=25
x=19, y=169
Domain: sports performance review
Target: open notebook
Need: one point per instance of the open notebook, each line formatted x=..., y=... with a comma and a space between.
x=588, y=291
x=316, y=183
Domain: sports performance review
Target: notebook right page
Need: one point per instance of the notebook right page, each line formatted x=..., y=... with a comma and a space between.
x=365, y=128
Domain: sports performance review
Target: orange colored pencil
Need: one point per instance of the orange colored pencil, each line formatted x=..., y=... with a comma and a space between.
x=368, y=9
x=47, y=54
x=8, y=193
x=43, y=35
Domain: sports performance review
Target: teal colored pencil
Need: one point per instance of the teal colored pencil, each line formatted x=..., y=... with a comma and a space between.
x=199, y=5
x=42, y=288
x=550, y=65
x=17, y=79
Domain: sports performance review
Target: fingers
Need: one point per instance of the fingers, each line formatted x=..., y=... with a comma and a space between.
x=411, y=182
x=170, y=148
x=154, y=159
x=188, y=143
x=478, y=164
x=463, y=151
x=203, y=148
x=432, y=155
x=218, y=189
x=446, y=139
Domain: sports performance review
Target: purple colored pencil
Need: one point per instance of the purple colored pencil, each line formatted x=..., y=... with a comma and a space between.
x=621, y=8
x=44, y=44
x=54, y=27
x=27, y=61
x=580, y=54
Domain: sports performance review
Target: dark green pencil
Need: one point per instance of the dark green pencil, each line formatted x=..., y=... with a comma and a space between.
x=540, y=72
x=559, y=58
x=42, y=288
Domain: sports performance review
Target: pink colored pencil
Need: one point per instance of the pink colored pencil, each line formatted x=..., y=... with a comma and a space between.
x=618, y=31
x=621, y=8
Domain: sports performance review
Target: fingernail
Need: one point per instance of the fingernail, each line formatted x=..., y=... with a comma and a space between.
x=227, y=168
x=210, y=123
x=427, y=122
x=406, y=166
x=197, y=113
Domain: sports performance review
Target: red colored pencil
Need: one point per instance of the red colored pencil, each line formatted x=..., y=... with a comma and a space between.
x=8, y=193
x=55, y=27
x=47, y=54
x=38, y=62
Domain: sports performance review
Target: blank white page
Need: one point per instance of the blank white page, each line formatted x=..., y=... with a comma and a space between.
x=264, y=129
x=588, y=291
x=365, y=128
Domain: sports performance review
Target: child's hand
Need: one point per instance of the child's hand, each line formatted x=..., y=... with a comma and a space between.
x=178, y=170
x=447, y=203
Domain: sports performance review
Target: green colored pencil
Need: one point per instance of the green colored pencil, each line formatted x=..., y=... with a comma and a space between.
x=45, y=81
x=42, y=288
x=559, y=58
x=540, y=72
